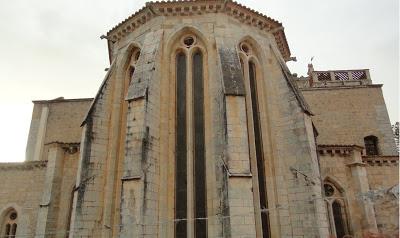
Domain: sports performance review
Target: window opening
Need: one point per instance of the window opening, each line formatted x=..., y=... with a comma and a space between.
x=371, y=145
x=336, y=211
x=259, y=149
x=199, y=150
x=338, y=218
x=245, y=48
x=10, y=224
x=181, y=148
x=192, y=102
x=189, y=41
x=329, y=190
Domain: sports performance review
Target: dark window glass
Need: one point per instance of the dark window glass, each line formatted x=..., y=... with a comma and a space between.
x=259, y=150
x=181, y=148
x=188, y=41
x=199, y=151
x=13, y=216
x=131, y=71
x=329, y=190
x=371, y=145
x=338, y=218
x=8, y=229
x=13, y=230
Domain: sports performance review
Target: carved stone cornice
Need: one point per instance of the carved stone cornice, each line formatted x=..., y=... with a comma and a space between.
x=199, y=7
x=341, y=150
x=381, y=160
x=70, y=148
x=29, y=165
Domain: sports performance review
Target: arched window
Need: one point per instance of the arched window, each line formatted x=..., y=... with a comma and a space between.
x=133, y=61
x=371, y=145
x=248, y=62
x=9, y=226
x=336, y=210
x=338, y=219
x=190, y=71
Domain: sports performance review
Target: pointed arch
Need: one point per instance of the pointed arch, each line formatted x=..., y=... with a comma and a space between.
x=127, y=54
x=335, y=182
x=187, y=51
x=257, y=50
x=250, y=57
x=9, y=222
x=336, y=203
x=177, y=35
x=128, y=60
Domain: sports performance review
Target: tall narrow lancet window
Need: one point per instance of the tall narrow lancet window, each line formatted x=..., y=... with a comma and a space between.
x=181, y=148
x=251, y=75
x=190, y=168
x=9, y=227
x=334, y=199
x=199, y=151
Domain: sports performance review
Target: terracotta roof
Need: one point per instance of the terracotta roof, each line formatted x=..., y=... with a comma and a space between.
x=185, y=7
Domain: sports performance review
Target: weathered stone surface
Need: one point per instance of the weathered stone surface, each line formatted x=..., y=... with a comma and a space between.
x=120, y=181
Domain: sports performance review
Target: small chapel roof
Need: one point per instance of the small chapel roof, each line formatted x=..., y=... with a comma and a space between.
x=189, y=7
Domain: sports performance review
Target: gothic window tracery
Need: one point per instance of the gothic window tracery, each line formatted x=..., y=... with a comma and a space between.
x=190, y=120
x=336, y=206
x=249, y=62
x=9, y=226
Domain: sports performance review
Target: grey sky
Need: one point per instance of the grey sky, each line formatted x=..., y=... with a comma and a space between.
x=51, y=48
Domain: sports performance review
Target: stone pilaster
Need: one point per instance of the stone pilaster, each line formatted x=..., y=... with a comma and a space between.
x=46, y=221
x=38, y=151
x=361, y=189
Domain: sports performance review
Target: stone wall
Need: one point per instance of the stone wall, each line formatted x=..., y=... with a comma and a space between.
x=383, y=177
x=334, y=170
x=223, y=31
x=56, y=120
x=362, y=185
x=21, y=188
x=345, y=115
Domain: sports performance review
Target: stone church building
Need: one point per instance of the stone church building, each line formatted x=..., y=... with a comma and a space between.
x=200, y=130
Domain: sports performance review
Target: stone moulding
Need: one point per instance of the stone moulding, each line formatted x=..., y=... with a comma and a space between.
x=341, y=150
x=69, y=147
x=381, y=160
x=23, y=165
x=199, y=7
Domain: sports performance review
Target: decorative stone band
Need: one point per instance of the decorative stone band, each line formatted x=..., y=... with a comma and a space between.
x=188, y=8
x=341, y=150
x=23, y=165
x=381, y=160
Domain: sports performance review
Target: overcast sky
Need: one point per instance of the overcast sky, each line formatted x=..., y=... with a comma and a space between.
x=51, y=48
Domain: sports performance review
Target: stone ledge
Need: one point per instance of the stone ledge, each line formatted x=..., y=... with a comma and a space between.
x=23, y=165
x=341, y=150
x=383, y=160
